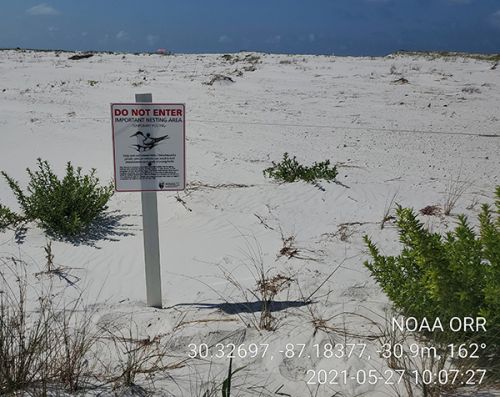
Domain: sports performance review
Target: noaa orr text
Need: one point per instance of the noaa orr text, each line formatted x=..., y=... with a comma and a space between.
x=454, y=324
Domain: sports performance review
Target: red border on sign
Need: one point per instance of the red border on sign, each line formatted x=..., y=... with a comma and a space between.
x=183, y=142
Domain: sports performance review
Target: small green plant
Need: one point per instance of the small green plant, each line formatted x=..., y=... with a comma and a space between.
x=226, y=384
x=63, y=207
x=455, y=275
x=8, y=218
x=290, y=170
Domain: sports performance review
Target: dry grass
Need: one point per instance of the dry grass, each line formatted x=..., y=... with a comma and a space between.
x=430, y=210
x=49, y=340
x=389, y=206
x=455, y=189
x=43, y=339
x=268, y=285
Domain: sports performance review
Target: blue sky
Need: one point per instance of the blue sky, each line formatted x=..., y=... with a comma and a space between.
x=341, y=27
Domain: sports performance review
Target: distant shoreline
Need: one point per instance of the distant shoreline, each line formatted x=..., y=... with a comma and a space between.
x=433, y=54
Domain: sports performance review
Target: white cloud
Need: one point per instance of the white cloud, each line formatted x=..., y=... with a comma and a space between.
x=495, y=19
x=274, y=40
x=85, y=34
x=42, y=9
x=53, y=28
x=122, y=35
x=311, y=37
x=152, y=39
x=224, y=39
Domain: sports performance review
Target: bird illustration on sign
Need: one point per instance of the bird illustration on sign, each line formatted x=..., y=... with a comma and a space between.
x=148, y=142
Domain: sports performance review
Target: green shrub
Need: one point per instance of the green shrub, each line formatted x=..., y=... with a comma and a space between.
x=455, y=275
x=8, y=218
x=290, y=170
x=64, y=208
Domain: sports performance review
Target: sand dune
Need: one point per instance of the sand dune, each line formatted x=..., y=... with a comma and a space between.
x=388, y=136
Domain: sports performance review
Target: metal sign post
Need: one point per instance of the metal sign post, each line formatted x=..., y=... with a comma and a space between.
x=151, y=237
x=149, y=156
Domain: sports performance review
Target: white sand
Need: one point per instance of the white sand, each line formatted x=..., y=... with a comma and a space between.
x=387, y=138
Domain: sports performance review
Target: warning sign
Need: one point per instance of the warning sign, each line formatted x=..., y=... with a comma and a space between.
x=149, y=146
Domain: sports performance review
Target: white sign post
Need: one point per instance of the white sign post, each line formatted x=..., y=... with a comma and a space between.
x=149, y=156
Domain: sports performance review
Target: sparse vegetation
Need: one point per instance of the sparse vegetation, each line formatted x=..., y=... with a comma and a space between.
x=471, y=90
x=251, y=61
x=233, y=58
x=450, y=55
x=290, y=170
x=260, y=301
x=266, y=290
x=50, y=341
x=219, y=78
x=63, y=207
x=135, y=356
x=43, y=344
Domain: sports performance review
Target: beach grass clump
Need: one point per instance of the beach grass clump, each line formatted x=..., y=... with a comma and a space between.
x=446, y=276
x=44, y=341
x=290, y=170
x=63, y=207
